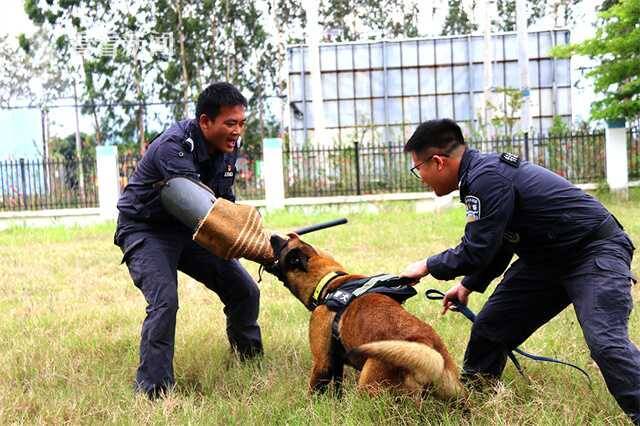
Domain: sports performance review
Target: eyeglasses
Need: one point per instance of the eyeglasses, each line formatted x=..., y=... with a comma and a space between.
x=415, y=169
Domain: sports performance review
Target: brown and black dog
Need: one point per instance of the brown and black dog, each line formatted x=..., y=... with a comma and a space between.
x=392, y=348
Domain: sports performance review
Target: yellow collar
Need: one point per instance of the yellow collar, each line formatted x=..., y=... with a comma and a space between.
x=323, y=282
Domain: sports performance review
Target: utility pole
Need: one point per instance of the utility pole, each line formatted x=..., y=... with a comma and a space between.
x=312, y=36
x=78, y=145
x=523, y=64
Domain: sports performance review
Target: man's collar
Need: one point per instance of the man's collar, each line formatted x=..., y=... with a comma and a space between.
x=199, y=142
x=465, y=162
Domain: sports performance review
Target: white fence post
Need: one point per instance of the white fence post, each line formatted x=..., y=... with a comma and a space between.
x=273, y=173
x=616, y=157
x=108, y=186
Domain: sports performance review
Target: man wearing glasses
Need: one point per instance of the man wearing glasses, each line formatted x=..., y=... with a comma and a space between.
x=570, y=249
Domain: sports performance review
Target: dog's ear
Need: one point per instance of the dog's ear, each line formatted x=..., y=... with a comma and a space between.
x=277, y=243
x=296, y=259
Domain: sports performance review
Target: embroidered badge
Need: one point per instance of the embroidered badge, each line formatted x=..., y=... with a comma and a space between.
x=512, y=237
x=189, y=145
x=473, y=208
x=511, y=159
x=229, y=172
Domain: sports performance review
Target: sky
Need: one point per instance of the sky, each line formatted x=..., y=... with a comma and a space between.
x=21, y=129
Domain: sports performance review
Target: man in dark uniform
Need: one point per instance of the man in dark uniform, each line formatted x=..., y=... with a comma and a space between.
x=155, y=245
x=570, y=249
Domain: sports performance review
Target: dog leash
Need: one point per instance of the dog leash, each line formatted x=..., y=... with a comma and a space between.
x=433, y=294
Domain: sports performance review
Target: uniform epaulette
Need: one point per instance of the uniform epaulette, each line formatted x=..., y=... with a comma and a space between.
x=511, y=159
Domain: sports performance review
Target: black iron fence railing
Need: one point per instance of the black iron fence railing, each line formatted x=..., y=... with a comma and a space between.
x=369, y=169
x=311, y=171
x=248, y=184
x=47, y=184
x=579, y=156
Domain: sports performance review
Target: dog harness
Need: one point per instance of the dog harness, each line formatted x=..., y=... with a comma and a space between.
x=390, y=285
x=339, y=299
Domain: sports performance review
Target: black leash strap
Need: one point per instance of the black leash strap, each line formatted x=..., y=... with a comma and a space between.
x=433, y=294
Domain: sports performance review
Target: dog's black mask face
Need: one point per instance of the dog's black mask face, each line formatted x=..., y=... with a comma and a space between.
x=277, y=244
x=287, y=258
x=295, y=259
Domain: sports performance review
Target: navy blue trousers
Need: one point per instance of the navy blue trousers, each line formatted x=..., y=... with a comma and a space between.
x=153, y=260
x=597, y=282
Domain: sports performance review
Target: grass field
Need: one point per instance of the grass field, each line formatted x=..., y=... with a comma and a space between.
x=71, y=319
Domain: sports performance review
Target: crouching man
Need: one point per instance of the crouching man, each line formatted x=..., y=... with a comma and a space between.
x=156, y=245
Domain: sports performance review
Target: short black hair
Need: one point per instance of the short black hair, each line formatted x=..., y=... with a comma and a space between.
x=218, y=95
x=443, y=134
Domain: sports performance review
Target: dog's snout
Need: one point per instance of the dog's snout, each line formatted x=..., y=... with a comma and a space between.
x=277, y=244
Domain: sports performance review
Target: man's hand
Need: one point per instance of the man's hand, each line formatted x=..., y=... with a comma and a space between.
x=457, y=293
x=415, y=271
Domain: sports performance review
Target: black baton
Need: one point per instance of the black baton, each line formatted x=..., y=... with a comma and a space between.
x=320, y=226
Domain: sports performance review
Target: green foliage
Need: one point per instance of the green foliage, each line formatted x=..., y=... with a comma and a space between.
x=615, y=45
x=349, y=20
x=65, y=148
x=559, y=127
x=213, y=40
x=457, y=21
x=561, y=10
x=504, y=119
x=32, y=71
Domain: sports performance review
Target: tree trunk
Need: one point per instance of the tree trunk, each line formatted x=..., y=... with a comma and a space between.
x=227, y=54
x=141, y=112
x=183, y=59
x=214, y=29
x=281, y=71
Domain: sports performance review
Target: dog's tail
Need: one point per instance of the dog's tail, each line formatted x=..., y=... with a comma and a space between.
x=425, y=364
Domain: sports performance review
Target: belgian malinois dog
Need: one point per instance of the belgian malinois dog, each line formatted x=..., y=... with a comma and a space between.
x=391, y=348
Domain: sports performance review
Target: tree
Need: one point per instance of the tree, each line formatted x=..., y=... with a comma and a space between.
x=457, y=21
x=617, y=77
x=89, y=65
x=350, y=20
x=31, y=70
x=507, y=118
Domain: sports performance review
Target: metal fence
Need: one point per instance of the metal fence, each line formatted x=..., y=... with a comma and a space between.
x=633, y=150
x=370, y=169
x=311, y=171
x=347, y=170
x=248, y=185
x=47, y=184
x=579, y=157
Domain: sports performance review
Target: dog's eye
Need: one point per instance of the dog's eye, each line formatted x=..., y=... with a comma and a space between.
x=294, y=261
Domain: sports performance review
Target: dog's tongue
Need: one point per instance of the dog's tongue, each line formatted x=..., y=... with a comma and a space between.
x=233, y=230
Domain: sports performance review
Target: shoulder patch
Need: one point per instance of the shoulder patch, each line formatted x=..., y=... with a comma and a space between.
x=511, y=159
x=473, y=208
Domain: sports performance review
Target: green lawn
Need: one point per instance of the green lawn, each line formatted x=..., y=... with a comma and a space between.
x=71, y=321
